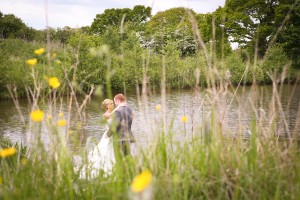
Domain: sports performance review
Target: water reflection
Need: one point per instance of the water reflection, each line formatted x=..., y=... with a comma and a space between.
x=234, y=110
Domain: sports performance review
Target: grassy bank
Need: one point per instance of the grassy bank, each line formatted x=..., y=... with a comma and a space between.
x=261, y=168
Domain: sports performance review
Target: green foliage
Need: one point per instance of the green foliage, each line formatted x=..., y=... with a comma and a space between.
x=171, y=20
x=136, y=46
x=289, y=36
x=213, y=30
x=127, y=68
x=274, y=62
x=13, y=69
x=113, y=17
x=61, y=35
x=11, y=26
x=15, y=72
x=237, y=68
x=257, y=24
x=172, y=26
x=125, y=61
x=92, y=69
x=251, y=23
x=140, y=14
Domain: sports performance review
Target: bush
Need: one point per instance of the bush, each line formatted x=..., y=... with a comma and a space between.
x=14, y=53
x=274, y=61
x=15, y=72
x=235, y=64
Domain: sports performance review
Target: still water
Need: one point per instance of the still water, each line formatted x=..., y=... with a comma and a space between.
x=233, y=109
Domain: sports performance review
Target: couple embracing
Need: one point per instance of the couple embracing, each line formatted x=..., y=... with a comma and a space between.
x=115, y=143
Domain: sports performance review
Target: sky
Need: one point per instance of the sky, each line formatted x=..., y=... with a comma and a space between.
x=40, y=14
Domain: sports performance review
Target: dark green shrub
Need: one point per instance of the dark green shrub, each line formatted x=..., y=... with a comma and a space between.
x=274, y=61
x=237, y=67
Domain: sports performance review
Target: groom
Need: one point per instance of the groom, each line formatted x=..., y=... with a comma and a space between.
x=121, y=127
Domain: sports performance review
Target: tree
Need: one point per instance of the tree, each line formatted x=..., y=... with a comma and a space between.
x=251, y=23
x=11, y=26
x=140, y=14
x=172, y=26
x=114, y=17
x=212, y=28
x=171, y=20
x=289, y=36
x=259, y=24
x=62, y=34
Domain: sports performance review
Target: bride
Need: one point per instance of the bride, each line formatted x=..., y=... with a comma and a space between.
x=102, y=156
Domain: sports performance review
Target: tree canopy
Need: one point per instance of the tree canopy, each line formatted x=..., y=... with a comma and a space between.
x=11, y=26
x=259, y=23
x=114, y=17
x=289, y=33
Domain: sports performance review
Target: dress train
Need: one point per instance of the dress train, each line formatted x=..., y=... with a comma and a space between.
x=100, y=158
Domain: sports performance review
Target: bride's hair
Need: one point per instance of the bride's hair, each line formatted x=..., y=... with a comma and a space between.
x=107, y=103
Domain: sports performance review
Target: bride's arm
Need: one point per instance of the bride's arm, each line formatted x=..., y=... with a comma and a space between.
x=106, y=115
x=116, y=119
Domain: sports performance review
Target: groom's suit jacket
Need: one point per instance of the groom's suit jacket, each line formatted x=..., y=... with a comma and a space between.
x=123, y=117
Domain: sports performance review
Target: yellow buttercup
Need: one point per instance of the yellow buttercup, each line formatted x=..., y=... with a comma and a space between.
x=141, y=181
x=37, y=115
x=39, y=51
x=184, y=119
x=54, y=82
x=7, y=152
x=32, y=61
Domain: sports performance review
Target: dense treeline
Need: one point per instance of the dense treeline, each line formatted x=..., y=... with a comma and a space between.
x=130, y=42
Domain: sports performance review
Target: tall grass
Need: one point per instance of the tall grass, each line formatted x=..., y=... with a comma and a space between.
x=220, y=168
x=209, y=163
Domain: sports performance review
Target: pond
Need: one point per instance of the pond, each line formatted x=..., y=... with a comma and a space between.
x=233, y=109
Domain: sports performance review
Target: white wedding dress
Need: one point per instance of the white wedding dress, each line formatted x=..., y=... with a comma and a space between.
x=100, y=158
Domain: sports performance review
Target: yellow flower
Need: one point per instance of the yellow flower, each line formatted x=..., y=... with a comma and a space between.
x=37, y=115
x=7, y=152
x=54, y=55
x=61, y=114
x=57, y=62
x=158, y=107
x=31, y=61
x=61, y=122
x=39, y=51
x=54, y=82
x=141, y=181
x=184, y=119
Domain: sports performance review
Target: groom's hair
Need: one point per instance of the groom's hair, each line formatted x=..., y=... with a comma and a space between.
x=120, y=97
